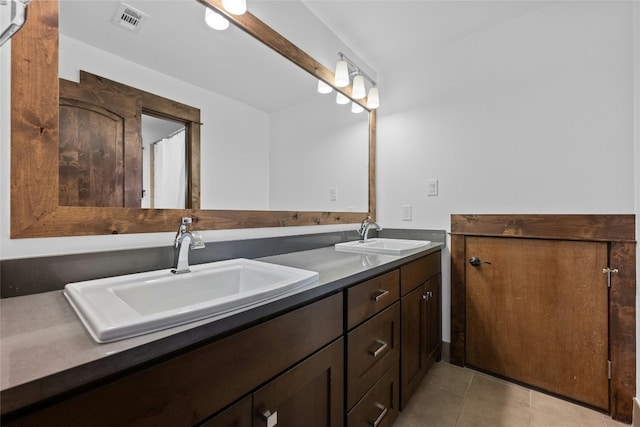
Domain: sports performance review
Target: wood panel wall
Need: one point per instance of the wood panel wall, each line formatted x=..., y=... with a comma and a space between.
x=617, y=230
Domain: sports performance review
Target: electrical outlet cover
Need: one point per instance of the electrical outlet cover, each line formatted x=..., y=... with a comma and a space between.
x=432, y=187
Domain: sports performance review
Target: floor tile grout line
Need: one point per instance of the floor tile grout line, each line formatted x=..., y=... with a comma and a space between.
x=464, y=398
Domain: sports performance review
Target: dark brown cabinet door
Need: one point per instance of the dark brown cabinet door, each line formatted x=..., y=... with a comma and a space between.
x=433, y=317
x=413, y=367
x=539, y=314
x=310, y=394
x=421, y=335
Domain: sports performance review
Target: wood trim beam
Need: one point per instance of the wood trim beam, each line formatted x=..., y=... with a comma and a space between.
x=605, y=228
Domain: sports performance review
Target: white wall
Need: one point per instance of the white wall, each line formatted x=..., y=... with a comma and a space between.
x=230, y=178
x=317, y=146
x=534, y=115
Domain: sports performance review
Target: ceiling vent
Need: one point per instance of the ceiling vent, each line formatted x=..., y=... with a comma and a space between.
x=129, y=18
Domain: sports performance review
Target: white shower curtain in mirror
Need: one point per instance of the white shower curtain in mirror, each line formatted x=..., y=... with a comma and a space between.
x=169, y=172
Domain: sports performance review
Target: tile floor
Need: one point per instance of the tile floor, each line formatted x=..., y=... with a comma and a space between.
x=451, y=396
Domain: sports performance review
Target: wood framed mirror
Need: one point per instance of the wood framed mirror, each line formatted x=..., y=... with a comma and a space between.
x=35, y=207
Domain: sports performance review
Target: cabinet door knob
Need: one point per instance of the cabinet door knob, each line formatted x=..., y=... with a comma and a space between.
x=381, y=346
x=271, y=419
x=378, y=420
x=381, y=294
x=475, y=261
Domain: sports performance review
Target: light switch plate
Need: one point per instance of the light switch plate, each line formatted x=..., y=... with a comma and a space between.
x=333, y=194
x=406, y=212
x=432, y=187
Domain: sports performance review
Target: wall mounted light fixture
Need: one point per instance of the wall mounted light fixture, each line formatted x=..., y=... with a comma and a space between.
x=215, y=20
x=345, y=68
x=235, y=7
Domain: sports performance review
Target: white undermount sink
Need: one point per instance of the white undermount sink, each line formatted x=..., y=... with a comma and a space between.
x=124, y=306
x=382, y=246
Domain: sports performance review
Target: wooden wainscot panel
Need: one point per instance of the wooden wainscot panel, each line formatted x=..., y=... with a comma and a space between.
x=622, y=327
x=608, y=228
x=618, y=231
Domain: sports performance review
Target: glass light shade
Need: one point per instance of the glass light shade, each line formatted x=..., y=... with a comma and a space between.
x=342, y=74
x=373, y=100
x=235, y=7
x=356, y=108
x=215, y=20
x=359, y=90
x=323, y=87
x=341, y=99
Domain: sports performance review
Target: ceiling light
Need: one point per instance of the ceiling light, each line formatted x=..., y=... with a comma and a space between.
x=356, y=108
x=215, y=20
x=373, y=99
x=324, y=87
x=341, y=99
x=358, y=91
x=341, y=78
x=345, y=68
x=235, y=7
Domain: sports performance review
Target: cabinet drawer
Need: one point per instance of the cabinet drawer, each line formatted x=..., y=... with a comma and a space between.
x=190, y=387
x=419, y=271
x=371, y=297
x=379, y=407
x=372, y=348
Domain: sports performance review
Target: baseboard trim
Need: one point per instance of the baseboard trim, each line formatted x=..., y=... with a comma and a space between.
x=446, y=352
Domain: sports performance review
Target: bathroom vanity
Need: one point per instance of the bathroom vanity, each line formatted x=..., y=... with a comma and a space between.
x=350, y=350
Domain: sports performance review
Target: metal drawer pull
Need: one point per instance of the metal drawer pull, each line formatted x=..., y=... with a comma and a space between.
x=270, y=419
x=381, y=294
x=380, y=417
x=381, y=347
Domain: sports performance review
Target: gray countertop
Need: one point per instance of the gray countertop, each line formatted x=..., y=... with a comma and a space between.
x=46, y=350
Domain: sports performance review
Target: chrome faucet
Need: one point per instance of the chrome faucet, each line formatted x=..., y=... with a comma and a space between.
x=363, y=230
x=181, y=257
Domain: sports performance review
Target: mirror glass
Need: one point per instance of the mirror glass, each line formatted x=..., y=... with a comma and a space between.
x=163, y=163
x=269, y=141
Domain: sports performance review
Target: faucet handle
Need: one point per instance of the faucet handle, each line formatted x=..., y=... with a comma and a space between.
x=187, y=220
x=363, y=225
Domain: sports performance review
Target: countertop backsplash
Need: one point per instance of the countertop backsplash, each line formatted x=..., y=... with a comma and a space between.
x=27, y=276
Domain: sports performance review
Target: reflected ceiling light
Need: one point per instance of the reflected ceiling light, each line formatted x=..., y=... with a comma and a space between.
x=324, y=87
x=235, y=7
x=341, y=99
x=373, y=99
x=356, y=108
x=345, y=68
x=358, y=91
x=215, y=20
